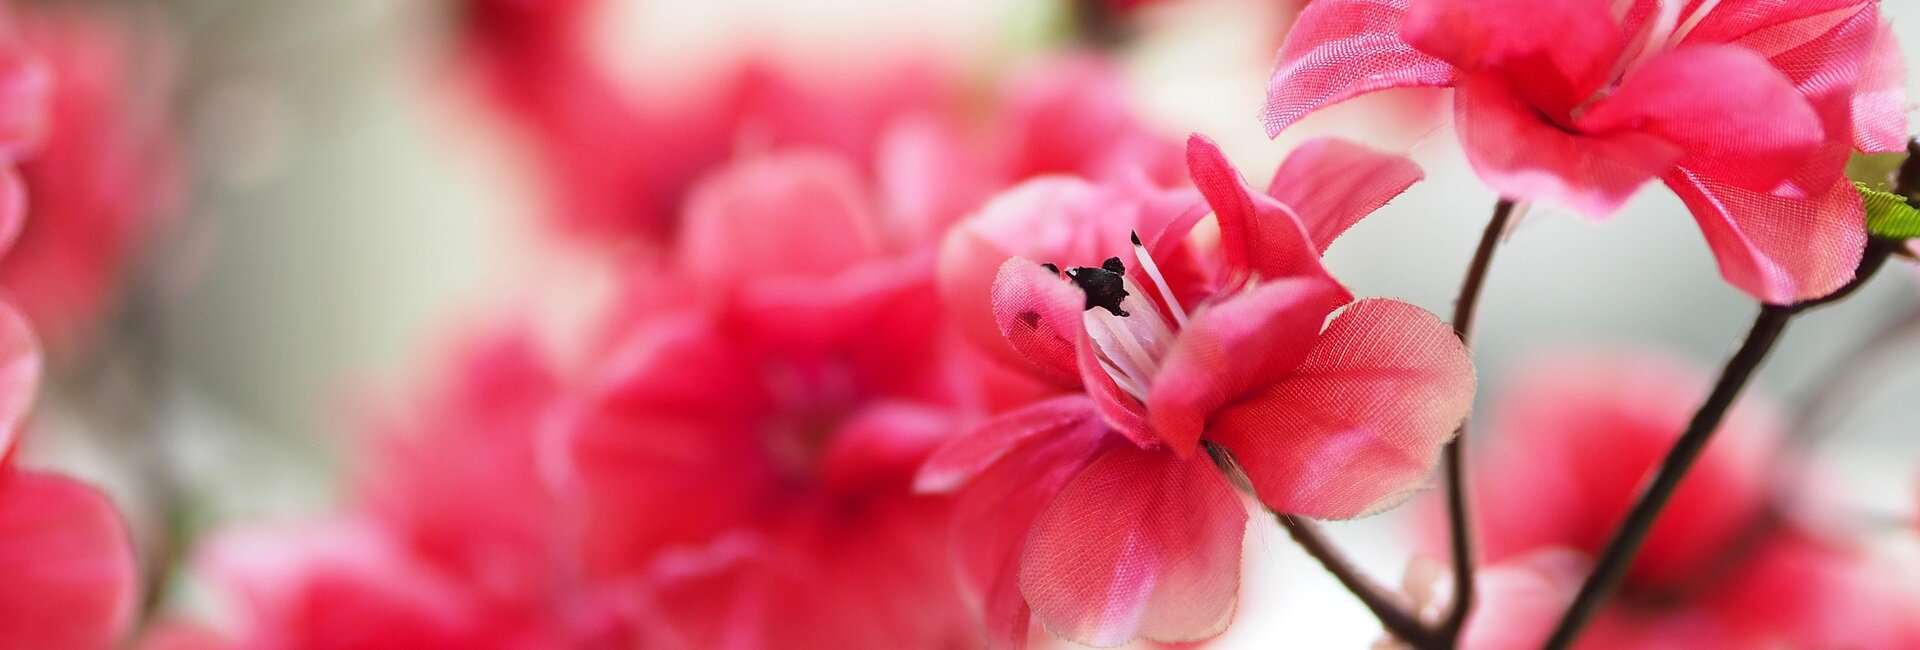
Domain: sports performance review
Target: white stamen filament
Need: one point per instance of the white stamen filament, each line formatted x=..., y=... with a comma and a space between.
x=1152, y=270
x=1129, y=348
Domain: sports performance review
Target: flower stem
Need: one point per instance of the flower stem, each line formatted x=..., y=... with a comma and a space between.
x=1459, y=521
x=1621, y=550
x=1394, y=616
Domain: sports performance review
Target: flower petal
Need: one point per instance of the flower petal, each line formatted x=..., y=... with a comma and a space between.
x=1778, y=250
x=1139, y=544
x=1341, y=49
x=968, y=454
x=1234, y=347
x=1880, y=99
x=67, y=562
x=1331, y=183
x=1556, y=53
x=1038, y=313
x=19, y=374
x=1259, y=237
x=995, y=511
x=636, y=454
x=1526, y=158
x=781, y=214
x=1359, y=427
x=1737, y=118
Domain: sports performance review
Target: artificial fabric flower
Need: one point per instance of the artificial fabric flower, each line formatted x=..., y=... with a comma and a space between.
x=1098, y=510
x=1747, y=109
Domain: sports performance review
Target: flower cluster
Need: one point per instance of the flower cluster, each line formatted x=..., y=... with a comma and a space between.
x=892, y=360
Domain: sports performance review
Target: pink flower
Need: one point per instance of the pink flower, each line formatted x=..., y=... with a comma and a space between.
x=898, y=122
x=67, y=563
x=344, y=584
x=738, y=459
x=105, y=177
x=1746, y=109
x=1723, y=567
x=1097, y=509
x=1579, y=432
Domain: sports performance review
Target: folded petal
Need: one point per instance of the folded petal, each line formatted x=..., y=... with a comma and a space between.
x=970, y=453
x=995, y=511
x=1737, y=117
x=1259, y=237
x=1139, y=544
x=1748, y=20
x=1331, y=183
x=1556, y=53
x=1827, y=57
x=1778, y=250
x=67, y=562
x=1359, y=426
x=19, y=374
x=1038, y=313
x=1880, y=98
x=1526, y=158
x=1341, y=49
x=1233, y=347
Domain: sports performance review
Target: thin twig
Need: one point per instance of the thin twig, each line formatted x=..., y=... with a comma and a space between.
x=1400, y=621
x=1393, y=615
x=1620, y=551
x=1459, y=519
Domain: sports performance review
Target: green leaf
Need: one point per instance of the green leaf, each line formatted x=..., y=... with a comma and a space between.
x=1888, y=214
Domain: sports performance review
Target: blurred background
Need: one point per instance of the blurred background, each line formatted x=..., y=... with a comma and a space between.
x=333, y=200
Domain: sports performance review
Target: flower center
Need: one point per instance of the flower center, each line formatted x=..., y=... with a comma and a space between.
x=1129, y=333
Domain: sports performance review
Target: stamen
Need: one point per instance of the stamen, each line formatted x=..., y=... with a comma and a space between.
x=1105, y=285
x=1152, y=270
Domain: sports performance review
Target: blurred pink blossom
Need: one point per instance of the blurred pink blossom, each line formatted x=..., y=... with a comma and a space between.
x=1747, y=109
x=105, y=176
x=1723, y=568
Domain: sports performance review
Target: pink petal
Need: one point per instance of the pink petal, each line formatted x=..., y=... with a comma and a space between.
x=1139, y=544
x=792, y=213
x=19, y=374
x=1233, y=347
x=1523, y=598
x=998, y=507
x=1555, y=53
x=970, y=453
x=1341, y=49
x=337, y=584
x=1359, y=426
x=1736, y=116
x=1072, y=115
x=26, y=84
x=1331, y=183
x=1778, y=250
x=1524, y=157
x=1747, y=20
x=67, y=562
x=1826, y=56
x=13, y=207
x=1880, y=99
x=882, y=445
x=643, y=452
x=1039, y=314
x=1258, y=236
